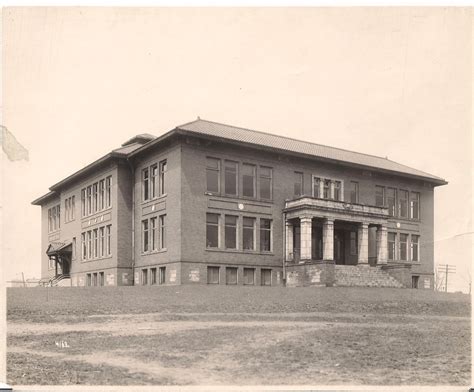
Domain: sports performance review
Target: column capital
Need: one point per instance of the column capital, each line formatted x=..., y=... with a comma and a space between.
x=306, y=218
x=329, y=221
x=363, y=225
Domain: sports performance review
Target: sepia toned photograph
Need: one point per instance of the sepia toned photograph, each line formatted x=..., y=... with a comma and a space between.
x=266, y=197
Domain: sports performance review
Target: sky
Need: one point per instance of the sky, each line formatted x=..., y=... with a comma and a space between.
x=396, y=82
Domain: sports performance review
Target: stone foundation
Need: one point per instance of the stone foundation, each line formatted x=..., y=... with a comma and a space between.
x=313, y=273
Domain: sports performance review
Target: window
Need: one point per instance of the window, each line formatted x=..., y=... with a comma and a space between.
x=213, y=174
x=354, y=192
x=101, y=278
x=392, y=201
x=212, y=230
x=153, y=236
x=266, y=182
x=391, y=245
x=108, y=247
x=89, y=244
x=231, y=275
x=74, y=251
x=403, y=246
x=162, y=223
x=415, y=246
x=95, y=279
x=153, y=276
x=265, y=235
x=83, y=202
x=326, y=189
x=230, y=177
x=108, y=195
x=54, y=218
x=213, y=275
x=154, y=186
x=95, y=241
x=89, y=279
x=316, y=187
x=145, y=238
x=101, y=241
x=415, y=205
x=144, y=276
x=230, y=232
x=353, y=243
x=248, y=180
x=266, y=277
x=83, y=246
x=249, y=276
x=298, y=184
x=248, y=234
x=337, y=190
x=146, y=183
x=94, y=198
x=89, y=200
x=414, y=281
x=101, y=194
x=403, y=203
x=379, y=196
x=162, y=276
x=163, y=169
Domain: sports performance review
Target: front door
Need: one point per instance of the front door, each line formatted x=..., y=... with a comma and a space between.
x=339, y=247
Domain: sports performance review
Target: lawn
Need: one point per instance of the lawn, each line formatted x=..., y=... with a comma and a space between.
x=218, y=335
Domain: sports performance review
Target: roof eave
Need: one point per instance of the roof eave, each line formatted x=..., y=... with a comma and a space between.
x=42, y=199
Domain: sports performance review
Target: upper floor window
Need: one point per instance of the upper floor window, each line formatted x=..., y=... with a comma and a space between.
x=354, y=190
x=392, y=201
x=96, y=243
x=379, y=196
x=153, y=234
x=213, y=167
x=54, y=218
x=230, y=232
x=403, y=246
x=248, y=233
x=230, y=178
x=212, y=230
x=265, y=235
x=415, y=247
x=298, y=184
x=248, y=180
x=337, y=190
x=266, y=182
x=403, y=203
x=153, y=181
x=96, y=197
x=326, y=188
x=415, y=205
x=69, y=208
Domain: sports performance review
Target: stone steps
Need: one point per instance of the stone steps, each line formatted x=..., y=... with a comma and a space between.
x=363, y=276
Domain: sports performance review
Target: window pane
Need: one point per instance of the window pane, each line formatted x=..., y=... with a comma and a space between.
x=354, y=192
x=391, y=246
x=403, y=204
x=403, y=246
x=212, y=231
x=213, y=275
x=415, y=205
x=212, y=175
x=379, y=196
x=298, y=184
x=249, y=276
x=163, y=168
x=230, y=232
x=266, y=277
x=231, y=275
x=265, y=235
x=231, y=178
x=146, y=187
x=154, y=181
x=316, y=187
x=414, y=247
x=248, y=180
x=391, y=201
x=265, y=188
x=326, y=189
x=337, y=190
x=248, y=233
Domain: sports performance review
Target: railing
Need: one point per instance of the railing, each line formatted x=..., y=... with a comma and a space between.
x=335, y=205
x=56, y=279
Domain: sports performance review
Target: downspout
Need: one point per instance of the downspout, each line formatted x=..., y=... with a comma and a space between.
x=133, y=220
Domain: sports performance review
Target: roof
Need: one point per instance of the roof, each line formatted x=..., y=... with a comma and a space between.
x=263, y=139
x=56, y=247
x=141, y=138
x=44, y=198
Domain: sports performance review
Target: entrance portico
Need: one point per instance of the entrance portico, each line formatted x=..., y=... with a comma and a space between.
x=334, y=232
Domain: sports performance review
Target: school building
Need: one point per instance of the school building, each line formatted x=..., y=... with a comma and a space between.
x=209, y=203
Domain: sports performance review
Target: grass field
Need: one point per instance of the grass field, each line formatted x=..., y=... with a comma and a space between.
x=214, y=335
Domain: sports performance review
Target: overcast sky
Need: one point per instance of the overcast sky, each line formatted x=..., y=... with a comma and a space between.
x=392, y=82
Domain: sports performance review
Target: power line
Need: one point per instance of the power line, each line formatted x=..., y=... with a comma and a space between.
x=447, y=269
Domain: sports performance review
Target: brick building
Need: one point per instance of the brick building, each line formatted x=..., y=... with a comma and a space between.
x=213, y=203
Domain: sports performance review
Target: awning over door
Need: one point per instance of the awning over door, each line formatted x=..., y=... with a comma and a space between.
x=57, y=248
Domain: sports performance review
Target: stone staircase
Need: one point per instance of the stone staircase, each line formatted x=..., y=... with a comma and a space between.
x=364, y=276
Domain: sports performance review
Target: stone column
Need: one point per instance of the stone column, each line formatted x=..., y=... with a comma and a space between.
x=289, y=241
x=321, y=188
x=305, y=236
x=382, y=245
x=363, y=244
x=328, y=239
x=331, y=190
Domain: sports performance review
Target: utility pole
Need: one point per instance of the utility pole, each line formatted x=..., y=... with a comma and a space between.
x=447, y=269
x=23, y=277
